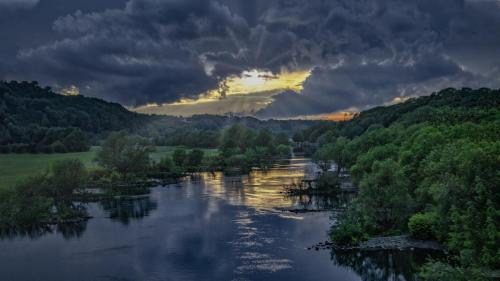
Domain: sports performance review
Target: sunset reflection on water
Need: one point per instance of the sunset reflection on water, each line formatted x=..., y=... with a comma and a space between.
x=261, y=190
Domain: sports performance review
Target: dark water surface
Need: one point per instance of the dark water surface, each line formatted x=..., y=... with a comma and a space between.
x=207, y=228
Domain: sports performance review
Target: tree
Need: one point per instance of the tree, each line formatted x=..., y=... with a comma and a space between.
x=264, y=138
x=283, y=150
x=235, y=139
x=75, y=141
x=340, y=155
x=125, y=154
x=324, y=157
x=165, y=165
x=179, y=156
x=195, y=157
x=384, y=195
x=281, y=139
x=67, y=176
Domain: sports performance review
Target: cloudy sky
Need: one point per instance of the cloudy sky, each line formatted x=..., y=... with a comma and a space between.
x=267, y=58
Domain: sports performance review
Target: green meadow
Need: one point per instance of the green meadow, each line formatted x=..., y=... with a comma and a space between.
x=15, y=167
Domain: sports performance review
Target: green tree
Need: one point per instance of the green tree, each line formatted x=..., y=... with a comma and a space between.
x=180, y=157
x=264, y=138
x=124, y=153
x=67, y=176
x=324, y=156
x=195, y=157
x=384, y=195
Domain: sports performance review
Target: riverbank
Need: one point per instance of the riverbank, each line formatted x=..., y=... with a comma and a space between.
x=399, y=242
x=15, y=167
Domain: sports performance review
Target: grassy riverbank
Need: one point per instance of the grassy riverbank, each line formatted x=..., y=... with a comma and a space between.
x=15, y=167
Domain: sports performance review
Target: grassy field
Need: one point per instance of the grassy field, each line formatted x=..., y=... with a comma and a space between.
x=15, y=167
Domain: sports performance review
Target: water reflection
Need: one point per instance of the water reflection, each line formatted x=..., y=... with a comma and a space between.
x=387, y=265
x=125, y=209
x=263, y=189
x=208, y=227
x=338, y=201
x=67, y=230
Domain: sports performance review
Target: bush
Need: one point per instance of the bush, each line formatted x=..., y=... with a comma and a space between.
x=349, y=234
x=58, y=147
x=179, y=157
x=25, y=204
x=439, y=271
x=421, y=226
x=328, y=181
x=67, y=176
x=283, y=150
x=237, y=163
x=195, y=157
x=165, y=165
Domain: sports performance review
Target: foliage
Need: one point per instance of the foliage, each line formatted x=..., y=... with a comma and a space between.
x=241, y=148
x=43, y=197
x=33, y=118
x=328, y=181
x=324, y=156
x=421, y=225
x=23, y=204
x=126, y=154
x=165, y=165
x=67, y=176
x=440, y=271
x=283, y=151
x=351, y=229
x=427, y=165
x=195, y=157
x=179, y=157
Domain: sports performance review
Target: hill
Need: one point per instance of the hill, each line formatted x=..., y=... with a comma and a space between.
x=448, y=106
x=36, y=119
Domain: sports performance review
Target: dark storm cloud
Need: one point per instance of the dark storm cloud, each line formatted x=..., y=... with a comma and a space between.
x=360, y=86
x=363, y=52
x=17, y=4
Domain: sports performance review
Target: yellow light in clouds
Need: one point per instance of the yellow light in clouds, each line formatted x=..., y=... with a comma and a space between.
x=253, y=81
x=260, y=81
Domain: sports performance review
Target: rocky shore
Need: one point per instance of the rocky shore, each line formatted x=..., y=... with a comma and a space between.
x=400, y=242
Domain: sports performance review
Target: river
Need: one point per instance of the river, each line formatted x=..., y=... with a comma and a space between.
x=209, y=227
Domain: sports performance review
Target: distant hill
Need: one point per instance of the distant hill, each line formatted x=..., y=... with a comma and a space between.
x=448, y=106
x=35, y=119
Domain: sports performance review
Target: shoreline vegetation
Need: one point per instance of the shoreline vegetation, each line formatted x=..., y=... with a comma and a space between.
x=426, y=168
x=123, y=166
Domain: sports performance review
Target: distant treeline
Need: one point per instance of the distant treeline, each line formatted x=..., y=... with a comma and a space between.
x=34, y=119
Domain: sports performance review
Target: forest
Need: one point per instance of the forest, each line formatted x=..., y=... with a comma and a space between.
x=428, y=167
x=38, y=120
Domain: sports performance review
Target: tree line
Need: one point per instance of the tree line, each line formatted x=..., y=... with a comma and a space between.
x=35, y=119
x=125, y=167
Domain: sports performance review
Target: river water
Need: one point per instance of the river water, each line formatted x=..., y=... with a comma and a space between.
x=209, y=227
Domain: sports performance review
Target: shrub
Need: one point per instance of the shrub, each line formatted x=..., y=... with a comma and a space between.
x=179, y=157
x=349, y=234
x=67, y=176
x=439, y=271
x=25, y=204
x=283, y=150
x=328, y=181
x=165, y=165
x=195, y=157
x=421, y=225
x=58, y=147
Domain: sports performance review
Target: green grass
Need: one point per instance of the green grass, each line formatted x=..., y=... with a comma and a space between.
x=15, y=167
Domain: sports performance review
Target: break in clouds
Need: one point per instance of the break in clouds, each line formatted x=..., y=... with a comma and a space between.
x=360, y=53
